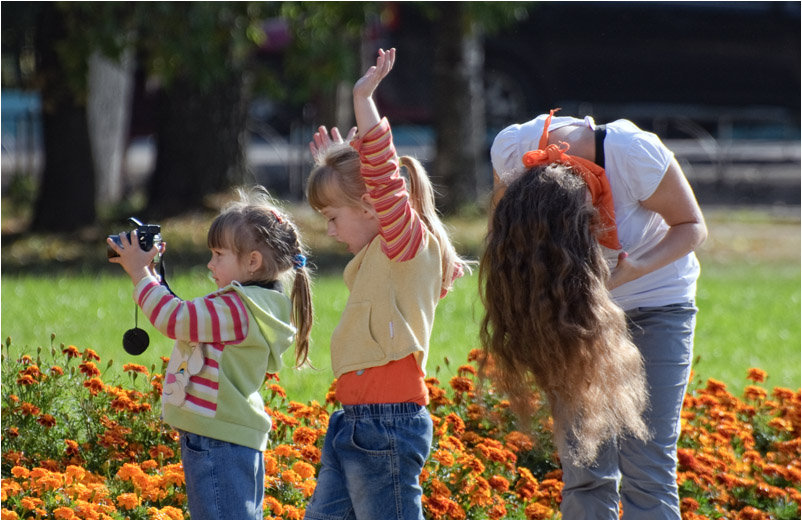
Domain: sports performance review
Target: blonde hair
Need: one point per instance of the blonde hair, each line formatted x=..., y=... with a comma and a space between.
x=253, y=222
x=336, y=181
x=549, y=319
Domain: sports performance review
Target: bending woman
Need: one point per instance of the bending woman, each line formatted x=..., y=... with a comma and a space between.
x=582, y=209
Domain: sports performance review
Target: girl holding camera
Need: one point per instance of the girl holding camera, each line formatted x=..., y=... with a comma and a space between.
x=225, y=343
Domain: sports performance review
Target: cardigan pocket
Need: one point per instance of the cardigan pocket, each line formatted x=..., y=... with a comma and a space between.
x=352, y=341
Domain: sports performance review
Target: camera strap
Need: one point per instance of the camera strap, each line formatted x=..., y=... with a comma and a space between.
x=163, y=277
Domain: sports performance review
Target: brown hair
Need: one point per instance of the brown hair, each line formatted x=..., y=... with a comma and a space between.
x=253, y=222
x=549, y=319
x=336, y=181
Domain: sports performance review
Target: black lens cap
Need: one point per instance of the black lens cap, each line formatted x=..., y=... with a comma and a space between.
x=135, y=341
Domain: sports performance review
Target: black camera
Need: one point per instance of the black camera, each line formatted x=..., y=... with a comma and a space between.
x=148, y=235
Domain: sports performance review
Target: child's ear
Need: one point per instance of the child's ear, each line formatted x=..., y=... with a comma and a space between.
x=367, y=206
x=254, y=261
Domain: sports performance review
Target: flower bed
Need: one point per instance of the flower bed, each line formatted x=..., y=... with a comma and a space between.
x=77, y=447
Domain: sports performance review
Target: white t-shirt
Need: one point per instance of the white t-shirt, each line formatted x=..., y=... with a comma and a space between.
x=635, y=163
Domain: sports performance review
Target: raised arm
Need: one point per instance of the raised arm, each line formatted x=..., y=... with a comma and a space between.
x=365, y=111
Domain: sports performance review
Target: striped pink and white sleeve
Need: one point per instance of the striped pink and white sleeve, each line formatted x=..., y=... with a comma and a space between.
x=400, y=227
x=216, y=318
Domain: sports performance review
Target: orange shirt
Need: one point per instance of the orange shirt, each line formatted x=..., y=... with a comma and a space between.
x=395, y=382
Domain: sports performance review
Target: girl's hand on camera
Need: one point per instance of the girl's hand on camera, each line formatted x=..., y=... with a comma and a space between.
x=136, y=262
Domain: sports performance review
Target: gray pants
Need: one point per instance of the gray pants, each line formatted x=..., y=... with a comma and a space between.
x=646, y=472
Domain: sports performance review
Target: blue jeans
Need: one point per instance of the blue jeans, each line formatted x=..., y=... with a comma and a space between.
x=372, y=458
x=224, y=480
x=646, y=472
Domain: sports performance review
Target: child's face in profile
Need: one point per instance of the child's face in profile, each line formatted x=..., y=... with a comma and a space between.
x=353, y=225
x=226, y=267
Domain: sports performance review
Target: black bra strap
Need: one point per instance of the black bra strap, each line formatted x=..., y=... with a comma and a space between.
x=601, y=132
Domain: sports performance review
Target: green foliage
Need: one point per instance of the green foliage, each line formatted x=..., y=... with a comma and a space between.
x=57, y=408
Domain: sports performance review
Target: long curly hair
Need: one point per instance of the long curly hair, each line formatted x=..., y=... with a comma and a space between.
x=549, y=320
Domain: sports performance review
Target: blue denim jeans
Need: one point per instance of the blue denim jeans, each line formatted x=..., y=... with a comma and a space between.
x=646, y=472
x=372, y=458
x=224, y=480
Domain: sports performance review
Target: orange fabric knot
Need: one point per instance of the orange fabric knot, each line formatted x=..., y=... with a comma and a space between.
x=593, y=175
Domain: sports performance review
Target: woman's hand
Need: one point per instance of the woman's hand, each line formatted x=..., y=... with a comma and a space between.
x=321, y=141
x=625, y=271
x=136, y=262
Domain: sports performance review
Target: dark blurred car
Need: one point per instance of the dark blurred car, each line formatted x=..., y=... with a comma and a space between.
x=617, y=59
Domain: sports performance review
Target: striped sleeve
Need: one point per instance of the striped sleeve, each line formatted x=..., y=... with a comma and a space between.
x=400, y=227
x=216, y=318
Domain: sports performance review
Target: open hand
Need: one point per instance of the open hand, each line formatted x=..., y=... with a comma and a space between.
x=321, y=141
x=365, y=85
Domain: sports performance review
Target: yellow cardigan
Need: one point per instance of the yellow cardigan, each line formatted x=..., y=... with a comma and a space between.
x=390, y=310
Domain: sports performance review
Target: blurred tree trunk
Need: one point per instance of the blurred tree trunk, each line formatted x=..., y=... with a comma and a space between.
x=201, y=144
x=459, y=120
x=66, y=198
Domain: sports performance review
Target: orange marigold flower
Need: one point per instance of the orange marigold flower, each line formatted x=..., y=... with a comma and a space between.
x=167, y=512
x=310, y=453
x=273, y=504
x=13, y=432
x=715, y=386
x=46, y=420
x=136, y=368
x=8, y=514
x=443, y=457
x=89, y=354
x=89, y=369
x=457, y=425
x=290, y=476
x=277, y=389
x=290, y=512
x=436, y=505
x=19, y=472
x=466, y=369
x=499, y=483
x=781, y=424
x=756, y=375
x=783, y=394
x=29, y=409
x=272, y=376
x=497, y=511
x=161, y=451
x=71, y=352
x=26, y=379
x=751, y=512
x=64, y=513
x=303, y=469
x=150, y=464
x=461, y=384
x=95, y=385
x=286, y=451
x=538, y=511
x=128, y=501
x=439, y=489
x=304, y=436
x=754, y=393
x=57, y=370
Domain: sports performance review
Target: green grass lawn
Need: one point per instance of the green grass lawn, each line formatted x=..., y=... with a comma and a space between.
x=749, y=317
x=748, y=297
